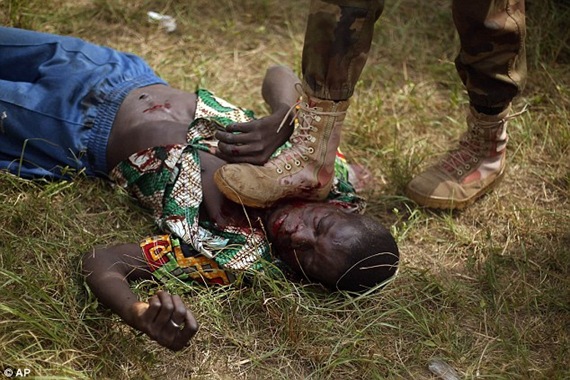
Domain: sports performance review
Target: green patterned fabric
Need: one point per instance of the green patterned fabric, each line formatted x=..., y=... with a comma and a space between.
x=166, y=180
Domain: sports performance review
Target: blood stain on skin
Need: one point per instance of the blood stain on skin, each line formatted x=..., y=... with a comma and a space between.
x=277, y=225
x=157, y=107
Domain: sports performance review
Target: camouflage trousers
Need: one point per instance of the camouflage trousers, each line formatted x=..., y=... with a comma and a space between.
x=491, y=61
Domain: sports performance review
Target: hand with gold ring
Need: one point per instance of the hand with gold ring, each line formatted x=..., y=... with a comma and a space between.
x=166, y=320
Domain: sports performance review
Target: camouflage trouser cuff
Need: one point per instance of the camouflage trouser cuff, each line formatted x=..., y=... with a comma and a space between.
x=320, y=91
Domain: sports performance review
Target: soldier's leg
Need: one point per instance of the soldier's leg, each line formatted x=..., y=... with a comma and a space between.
x=336, y=46
x=337, y=42
x=492, y=59
x=492, y=65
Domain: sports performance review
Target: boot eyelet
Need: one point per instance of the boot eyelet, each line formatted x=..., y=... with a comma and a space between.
x=467, y=167
x=475, y=159
x=305, y=158
x=288, y=166
x=297, y=162
x=279, y=171
x=311, y=150
x=460, y=172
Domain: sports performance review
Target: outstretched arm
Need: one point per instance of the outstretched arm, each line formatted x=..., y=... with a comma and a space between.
x=258, y=139
x=108, y=272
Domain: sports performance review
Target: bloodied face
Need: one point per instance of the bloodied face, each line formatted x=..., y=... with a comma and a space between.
x=314, y=238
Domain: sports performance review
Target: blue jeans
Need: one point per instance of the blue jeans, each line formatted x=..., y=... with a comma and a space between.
x=58, y=99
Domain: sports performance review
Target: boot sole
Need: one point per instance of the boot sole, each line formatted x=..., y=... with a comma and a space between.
x=233, y=195
x=451, y=204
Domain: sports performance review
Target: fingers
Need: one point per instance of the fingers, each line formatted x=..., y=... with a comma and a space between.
x=164, y=315
x=252, y=142
x=231, y=146
x=184, y=324
x=178, y=315
x=243, y=133
x=240, y=150
x=239, y=157
x=191, y=322
x=169, y=323
x=232, y=138
x=245, y=147
x=242, y=127
x=153, y=309
x=190, y=328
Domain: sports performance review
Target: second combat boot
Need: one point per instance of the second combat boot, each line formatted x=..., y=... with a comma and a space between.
x=468, y=171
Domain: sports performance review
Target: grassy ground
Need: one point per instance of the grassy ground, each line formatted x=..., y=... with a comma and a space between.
x=486, y=290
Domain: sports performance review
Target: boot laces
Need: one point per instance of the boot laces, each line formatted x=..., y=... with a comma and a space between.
x=302, y=138
x=473, y=143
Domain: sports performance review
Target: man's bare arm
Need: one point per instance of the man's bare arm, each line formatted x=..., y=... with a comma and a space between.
x=108, y=272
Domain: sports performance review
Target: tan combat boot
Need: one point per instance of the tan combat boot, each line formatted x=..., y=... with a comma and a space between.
x=305, y=170
x=469, y=171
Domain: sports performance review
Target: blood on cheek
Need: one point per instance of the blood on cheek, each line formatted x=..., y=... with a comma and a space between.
x=276, y=226
x=294, y=211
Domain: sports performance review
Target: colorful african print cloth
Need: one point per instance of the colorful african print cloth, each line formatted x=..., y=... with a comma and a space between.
x=169, y=258
x=167, y=181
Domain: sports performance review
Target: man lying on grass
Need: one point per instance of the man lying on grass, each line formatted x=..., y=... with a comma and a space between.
x=70, y=106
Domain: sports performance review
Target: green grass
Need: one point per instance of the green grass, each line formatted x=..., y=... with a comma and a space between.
x=487, y=289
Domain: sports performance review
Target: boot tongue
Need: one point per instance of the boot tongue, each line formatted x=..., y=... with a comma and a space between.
x=313, y=102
